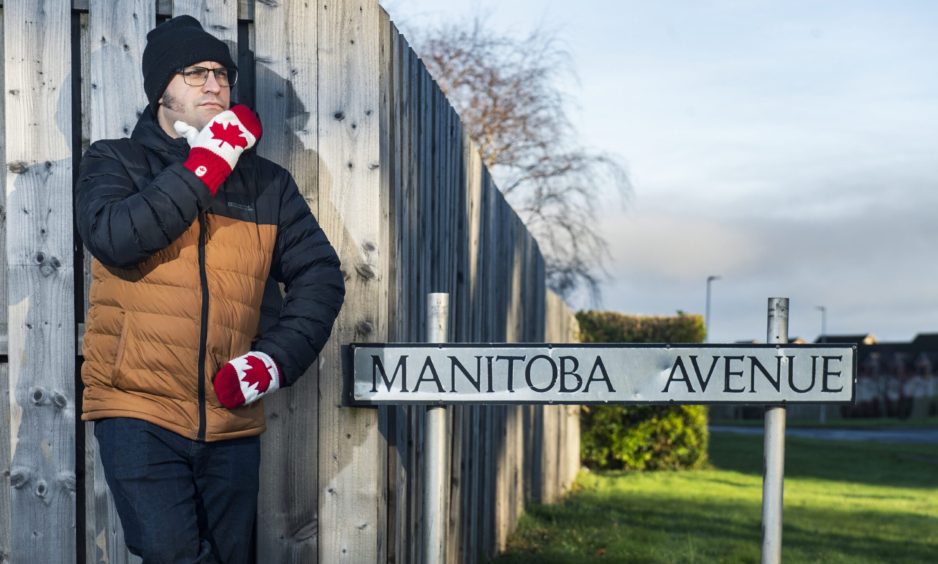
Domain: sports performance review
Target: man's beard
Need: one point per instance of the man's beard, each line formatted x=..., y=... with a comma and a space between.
x=171, y=103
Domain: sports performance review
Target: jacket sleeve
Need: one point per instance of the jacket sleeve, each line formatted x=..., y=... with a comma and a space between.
x=122, y=226
x=305, y=262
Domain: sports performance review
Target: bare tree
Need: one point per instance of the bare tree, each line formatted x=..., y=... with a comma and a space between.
x=507, y=95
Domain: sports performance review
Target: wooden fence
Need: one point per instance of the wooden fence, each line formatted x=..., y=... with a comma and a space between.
x=385, y=165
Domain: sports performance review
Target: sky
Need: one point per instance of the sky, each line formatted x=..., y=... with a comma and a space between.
x=788, y=147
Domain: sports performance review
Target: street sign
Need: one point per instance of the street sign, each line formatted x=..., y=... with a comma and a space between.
x=601, y=373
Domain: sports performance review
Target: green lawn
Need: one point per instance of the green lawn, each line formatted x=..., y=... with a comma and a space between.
x=854, y=423
x=844, y=502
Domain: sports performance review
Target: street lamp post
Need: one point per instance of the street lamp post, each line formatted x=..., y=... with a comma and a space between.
x=710, y=280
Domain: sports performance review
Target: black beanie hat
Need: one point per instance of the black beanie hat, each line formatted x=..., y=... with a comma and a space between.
x=175, y=44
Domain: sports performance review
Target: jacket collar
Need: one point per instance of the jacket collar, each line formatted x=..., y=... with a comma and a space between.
x=148, y=133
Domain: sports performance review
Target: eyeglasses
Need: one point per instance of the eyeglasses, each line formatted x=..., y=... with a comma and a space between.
x=198, y=76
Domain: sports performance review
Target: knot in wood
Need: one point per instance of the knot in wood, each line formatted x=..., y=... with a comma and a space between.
x=37, y=395
x=364, y=327
x=67, y=480
x=46, y=269
x=365, y=271
x=18, y=167
x=19, y=477
x=41, y=489
x=59, y=400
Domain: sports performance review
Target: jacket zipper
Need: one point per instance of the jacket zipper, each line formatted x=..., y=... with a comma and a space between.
x=203, y=335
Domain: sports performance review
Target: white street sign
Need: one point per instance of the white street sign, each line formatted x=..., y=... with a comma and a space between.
x=602, y=373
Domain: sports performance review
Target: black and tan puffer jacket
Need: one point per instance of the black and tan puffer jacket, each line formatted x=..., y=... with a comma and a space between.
x=178, y=278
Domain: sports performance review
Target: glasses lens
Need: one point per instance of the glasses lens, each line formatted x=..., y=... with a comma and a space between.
x=198, y=76
x=195, y=76
x=231, y=77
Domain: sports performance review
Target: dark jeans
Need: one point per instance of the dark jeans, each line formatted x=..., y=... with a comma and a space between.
x=181, y=500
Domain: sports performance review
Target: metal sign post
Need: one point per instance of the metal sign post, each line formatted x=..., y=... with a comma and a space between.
x=434, y=460
x=773, y=478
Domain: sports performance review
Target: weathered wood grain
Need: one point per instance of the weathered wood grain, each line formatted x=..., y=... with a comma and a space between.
x=40, y=268
x=6, y=518
x=286, y=86
x=113, y=97
x=3, y=229
x=352, y=466
x=5, y=501
x=218, y=17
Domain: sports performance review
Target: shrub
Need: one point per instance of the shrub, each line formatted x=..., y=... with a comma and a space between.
x=642, y=437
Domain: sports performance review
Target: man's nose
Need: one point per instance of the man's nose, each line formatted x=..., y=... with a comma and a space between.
x=211, y=83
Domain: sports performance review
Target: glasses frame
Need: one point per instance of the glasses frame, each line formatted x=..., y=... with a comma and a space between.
x=228, y=72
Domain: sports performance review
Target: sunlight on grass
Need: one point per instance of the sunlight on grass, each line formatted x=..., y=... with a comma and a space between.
x=844, y=502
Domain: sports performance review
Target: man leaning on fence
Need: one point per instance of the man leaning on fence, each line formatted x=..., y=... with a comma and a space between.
x=186, y=224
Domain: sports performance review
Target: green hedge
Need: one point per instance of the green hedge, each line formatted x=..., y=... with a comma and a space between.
x=642, y=437
x=612, y=327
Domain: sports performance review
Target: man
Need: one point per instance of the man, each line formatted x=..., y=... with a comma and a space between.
x=186, y=223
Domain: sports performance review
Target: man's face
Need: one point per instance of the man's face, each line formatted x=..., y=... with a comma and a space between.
x=195, y=105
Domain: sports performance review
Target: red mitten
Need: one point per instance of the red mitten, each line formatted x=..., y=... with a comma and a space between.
x=247, y=378
x=215, y=150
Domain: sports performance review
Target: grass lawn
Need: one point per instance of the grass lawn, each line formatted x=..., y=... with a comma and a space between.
x=854, y=423
x=845, y=502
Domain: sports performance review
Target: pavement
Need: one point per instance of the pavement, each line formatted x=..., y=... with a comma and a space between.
x=916, y=436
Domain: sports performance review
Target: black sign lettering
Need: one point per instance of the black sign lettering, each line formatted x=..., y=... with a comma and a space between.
x=428, y=364
x=824, y=381
x=730, y=373
x=572, y=372
x=598, y=365
x=678, y=362
x=553, y=373
x=713, y=364
x=791, y=376
x=488, y=362
x=378, y=366
x=755, y=364
x=511, y=369
x=455, y=364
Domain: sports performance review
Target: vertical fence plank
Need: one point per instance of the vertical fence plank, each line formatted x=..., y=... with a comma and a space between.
x=40, y=289
x=286, y=99
x=351, y=463
x=218, y=17
x=398, y=469
x=5, y=511
x=3, y=251
x=114, y=90
x=6, y=523
x=386, y=415
x=471, y=204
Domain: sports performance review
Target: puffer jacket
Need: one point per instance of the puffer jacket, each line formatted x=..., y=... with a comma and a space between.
x=178, y=278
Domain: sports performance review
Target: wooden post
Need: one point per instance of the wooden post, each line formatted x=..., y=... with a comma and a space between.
x=5, y=501
x=352, y=464
x=114, y=87
x=218, y=17
x=40, y=290
x=286, y=71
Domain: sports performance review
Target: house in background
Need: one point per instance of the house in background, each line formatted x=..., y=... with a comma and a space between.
x=893, y=380
x=896, y=379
